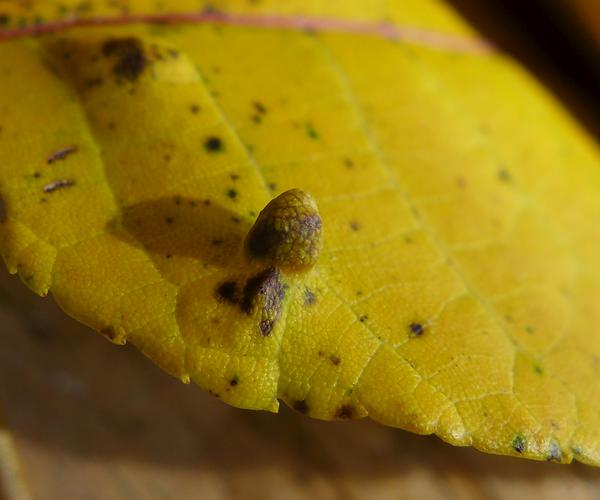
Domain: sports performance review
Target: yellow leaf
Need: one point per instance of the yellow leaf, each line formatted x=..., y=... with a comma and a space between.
x=448, y=280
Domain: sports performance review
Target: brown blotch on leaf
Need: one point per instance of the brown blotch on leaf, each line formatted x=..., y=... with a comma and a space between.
x=345, y=412
x=335, y=359
x=354, y=225
x=61, y=154
x=228, y=292
x=301, y=406
x=58, y=184
x=264, y=293
x=131, y=59
x=234, y=381
x=288, y=232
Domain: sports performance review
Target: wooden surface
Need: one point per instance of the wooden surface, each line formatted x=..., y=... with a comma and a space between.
x=94, y=421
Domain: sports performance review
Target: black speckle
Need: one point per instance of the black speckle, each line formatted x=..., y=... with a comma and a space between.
x=345, y=412
x=354, y=225
x=131, y=59
x=234, y=381
x=416, y=329
x=216, y=242
x=195, y=109
x=213, y=144
x=168, y=256
x=272, y=186
x=169, y=220
x=348, y=163
x=228, y=292
x=519, y=443
x=363, y=318
x=538, y=369
x=301, y=406
x=234, y=177
x=232, y=193
x=4, y=19
x=309, y=297
x=335, y=359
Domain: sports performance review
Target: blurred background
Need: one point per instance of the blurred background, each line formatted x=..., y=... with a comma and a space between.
x=89, y=420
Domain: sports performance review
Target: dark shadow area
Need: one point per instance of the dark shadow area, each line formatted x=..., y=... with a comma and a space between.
x=184, y=227
x=547, y=39
x=70, y=393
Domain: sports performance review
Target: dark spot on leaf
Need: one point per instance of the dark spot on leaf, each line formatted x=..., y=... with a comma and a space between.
x=234, y=177
x=259, y=107
x=90, y=83
x=4, y=19
x=311, y=131
x=335, y=359
x=169, y=220
x=195, y=109
x=58, y=184
x=217, y=242
x=519, y=443
x=354, y=225
x=234, y=381
x=362, y=318
x=348, y=163
x=538, y=369
x=131, y=59
x=228, y=292
x=504, y=175
x=529, y=329
x=345, y=412
x=61, y=154
x=168, y=256
x=232, y=193
x=309, y=297
x=301, y=406
x=272, y=186
x=416, y=329
x=213, y=144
